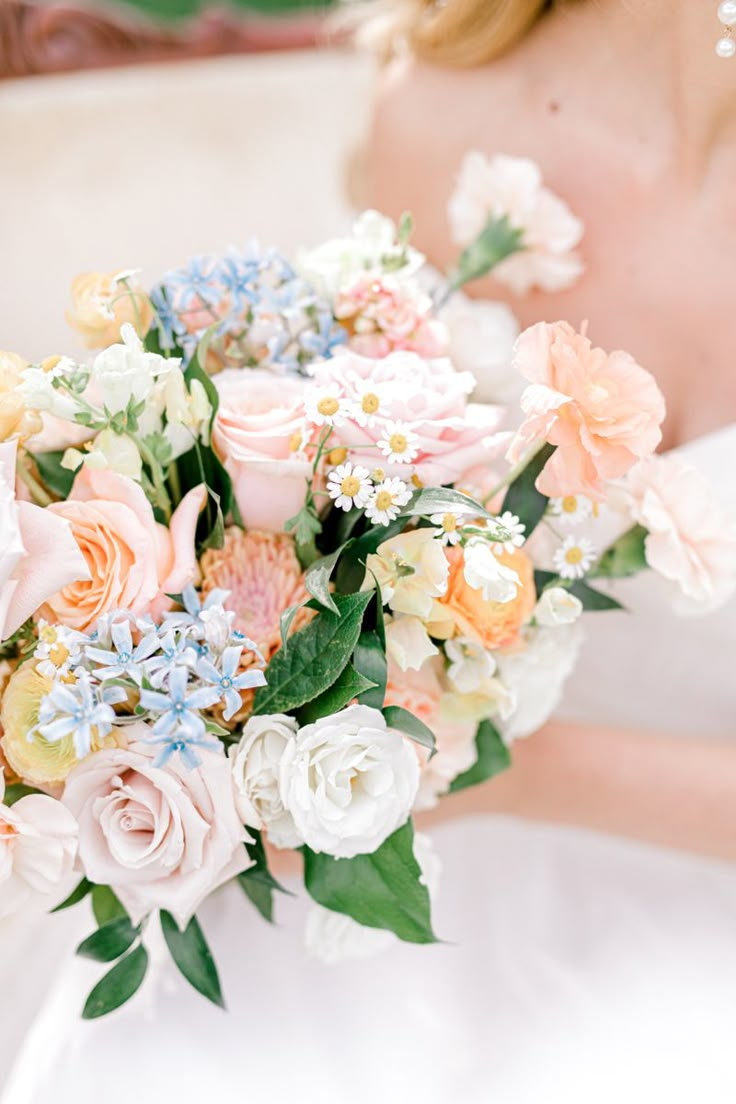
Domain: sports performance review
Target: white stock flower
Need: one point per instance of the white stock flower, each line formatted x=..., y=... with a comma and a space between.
x=470, y=664
x=411, y=569
x=126, y=371
x=349, y=782
x=256, y=765
x=333, y=937
x=557, y=606
x=408, y=643
x=188, y=411
x=115, y=451
x=39, y=393
x=483, y=571
x=536, y=676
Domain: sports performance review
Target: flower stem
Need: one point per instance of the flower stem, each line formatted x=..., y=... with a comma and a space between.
x=38, y=493
x=513, y=473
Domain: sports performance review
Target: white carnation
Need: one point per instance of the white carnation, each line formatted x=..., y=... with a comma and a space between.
x=348, y=781
x=537, y=675
x=256, y=766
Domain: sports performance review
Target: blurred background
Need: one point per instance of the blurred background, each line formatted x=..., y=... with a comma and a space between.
x=137, y=133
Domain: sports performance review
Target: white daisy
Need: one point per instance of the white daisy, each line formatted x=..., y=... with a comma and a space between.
x=574, y=558
x=451, y=525
x=571, y=509
x=398, y=443
x=386, y=502
x=58, y=649
x=368, y=404
x=349, y=485
x=326, y=406
x=516, y=530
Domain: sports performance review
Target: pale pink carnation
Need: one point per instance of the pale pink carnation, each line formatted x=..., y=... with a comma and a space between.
x=602, y=410
x=383, y=314
x=692, y=538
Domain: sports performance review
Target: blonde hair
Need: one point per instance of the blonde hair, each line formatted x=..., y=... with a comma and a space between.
x=459, y=33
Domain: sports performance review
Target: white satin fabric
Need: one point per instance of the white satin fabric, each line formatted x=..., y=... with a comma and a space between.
x=577, y=969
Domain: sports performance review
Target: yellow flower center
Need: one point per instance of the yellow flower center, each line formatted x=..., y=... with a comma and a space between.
x=328, y=406
x=295, y=442
x=398, y=443
x=50, y=363
x=383, y=500
x=449, y=523
x=48, y=634
x=569, y=504
x=370, y=403
x=417, y=481
x=574, y=555
x=350, y=485
x=59, y=654
x=378, y=475
x=337, y=456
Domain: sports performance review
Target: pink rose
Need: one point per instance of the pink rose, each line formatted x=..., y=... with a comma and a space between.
x=602, y=410
x=384, y=314
x=163, y=838
x=133, y=562
x=692, y=538
x=428, y=397
x=421, y=693
x=258, y=434
x=38, y=553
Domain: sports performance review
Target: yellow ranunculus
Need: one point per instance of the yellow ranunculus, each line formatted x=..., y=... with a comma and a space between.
x=101, y=304
x=15, y=418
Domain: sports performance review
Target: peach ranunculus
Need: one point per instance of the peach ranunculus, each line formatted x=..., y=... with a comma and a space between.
x=162, y=837
x=16, y=420
x=38, y=845
x=601, y=410
x=422, y=693
x=259, y=436
x=463, y=610
x=691, y=538
x=426, y=398
x=101, y=304
x=133, y=561
x=38, y=553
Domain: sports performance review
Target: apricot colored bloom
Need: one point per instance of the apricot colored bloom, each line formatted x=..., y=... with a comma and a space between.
x=101, y=304
x=601, y=410
x=383, y=313
x=16, y=420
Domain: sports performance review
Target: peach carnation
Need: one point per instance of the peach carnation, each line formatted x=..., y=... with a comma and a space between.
x=464, y=611
x=601, y=410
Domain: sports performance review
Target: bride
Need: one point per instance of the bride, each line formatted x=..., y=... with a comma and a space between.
x=593, y=924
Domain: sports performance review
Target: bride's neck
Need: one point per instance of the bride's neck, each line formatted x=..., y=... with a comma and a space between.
x=663, y=52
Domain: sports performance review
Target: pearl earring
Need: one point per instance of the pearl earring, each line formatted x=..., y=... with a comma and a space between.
x=725, y=46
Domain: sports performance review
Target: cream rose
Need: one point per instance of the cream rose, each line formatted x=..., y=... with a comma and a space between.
x=161, y=837
x=256, y=766
x=38, y=845
x=348, y=781
x=258, y=433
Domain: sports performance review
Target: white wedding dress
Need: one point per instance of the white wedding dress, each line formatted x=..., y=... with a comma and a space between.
x=577, y=968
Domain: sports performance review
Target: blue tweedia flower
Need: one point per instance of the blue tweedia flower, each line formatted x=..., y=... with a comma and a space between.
x=322, y=342
x=176, y=650
x=238, y=276
x=170, y=327
x=80, y=709
x=179, y=727
x=191, y=616
x=125, y=659
x=228, y=681
x=195, y=282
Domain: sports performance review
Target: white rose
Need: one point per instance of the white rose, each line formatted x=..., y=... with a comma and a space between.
x=484, y=571
x=408, y=643
x=349, y=782
x=256, y=765
x=126, y=371
x=557, y=606
x=333, y=937
x=537, y=677
x=38, y=845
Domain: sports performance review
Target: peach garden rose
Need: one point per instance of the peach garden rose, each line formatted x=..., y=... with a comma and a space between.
x=101, y=305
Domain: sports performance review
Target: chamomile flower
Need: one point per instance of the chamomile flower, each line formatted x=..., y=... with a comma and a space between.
x=399, y=443
x=368, y=404
x=574, y=558
x=386, y=502
x=58, y=649
x=326, y=406
x=514, y=528
x=349, y=485
x=571, y=509
x=450, y=523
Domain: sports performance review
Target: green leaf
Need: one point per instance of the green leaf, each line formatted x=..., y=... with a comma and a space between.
x=75, y=896
x=58, y=480
x=627, y=556
x=437, y=500
x=497, y=240
x=493, y=757
x=105, y=905
x=592, y=600
x=306, y=527
x=349, y=684
x=317, y=578
x=257, y=882
x=118, y=985
x=316, y=656
x=523, y=498
x=109, y=942
x=351, y=568
x=396, y=717
x=369, y=658
x=382, y=890
x=192, y=955
x=16, y=791
x=286, y=620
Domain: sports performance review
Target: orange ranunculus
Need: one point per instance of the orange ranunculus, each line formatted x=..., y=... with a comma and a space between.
x=463, y=611
x=101, y=303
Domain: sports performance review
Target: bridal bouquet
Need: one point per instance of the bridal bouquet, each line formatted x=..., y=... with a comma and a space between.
x=269, y=579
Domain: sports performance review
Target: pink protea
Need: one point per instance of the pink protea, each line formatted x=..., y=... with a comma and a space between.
x=384, y=315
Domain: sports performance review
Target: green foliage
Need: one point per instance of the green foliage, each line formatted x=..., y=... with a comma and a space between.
x=497, y=240
x=306, y=527
x=176, y=10
x=105, y=905
x=192, y=955
x=75, y=896
x=382, y=890
x=396, y=717
x=15, y=791
x=438, y=500
x=315, y=658
x=58, y=480
x=257, y=882
x=369, y=658
x=118, y=985
x=626, y=556
x=592, y=600
x=351, y=568
x=523, y=498
x=109, y=942
x=492, y=758
x=317, y=578
x=350, y=684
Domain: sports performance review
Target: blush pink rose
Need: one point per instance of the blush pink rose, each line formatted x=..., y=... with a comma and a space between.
x=132, y=561
x=257, y=433
x=160, y=837
x=601, y=410
x=38, y=552
x=421, y=693
x=429, y=397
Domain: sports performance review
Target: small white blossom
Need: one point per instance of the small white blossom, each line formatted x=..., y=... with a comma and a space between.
x=516, y=530
x=450, y=523
x=557, y=606
x=326, y=406
x=349, y=485
x=470, y=664
x=59, y=649
x=574, y=558
x=571, y=509
x=483, y=571
x=369, y=402
x=399, y=443
x=387, y=500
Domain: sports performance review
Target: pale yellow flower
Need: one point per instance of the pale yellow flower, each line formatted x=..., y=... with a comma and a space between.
x=411, y=570
x=16, y=420
x=102, y=303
